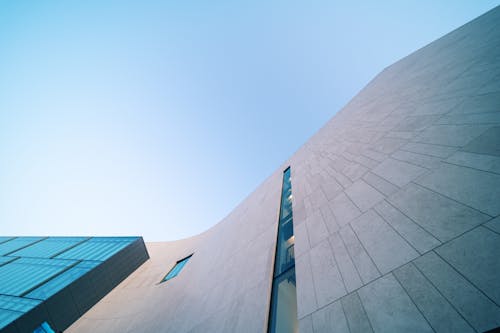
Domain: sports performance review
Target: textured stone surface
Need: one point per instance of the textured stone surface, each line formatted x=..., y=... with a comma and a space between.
x=487, y=143
x=451, y=135
x=380, y=184
x=472, y=304
x=390, y=309
x=494, y=224
x=355, y=314
x=306, y=325
x=396, y=206
x=415, y=235
x=306, y=294
x=442, y=217
x=476, y=161
x=330, y=319
x=316, y=228
x=327, y=279
x=352, y=280
x=344, y=209
x=429, y=149
x=386, y=247
x=363, y=195
x=362, y=261
x=477, y=189
x=397, y=172
x=476, y=256
x=437, y=310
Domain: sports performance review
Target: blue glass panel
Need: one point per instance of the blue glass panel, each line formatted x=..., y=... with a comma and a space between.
x=284, y=304
x=283, y=311
x=49, y=247
x=8, y=316
x=19, y=304
x=97, y=248
x=16, y=244
x=285, y=255
x=4, y=239
x=32, y=269
x=44, y=328
x=5, y=260
x=24, y=274
x=176, y=269
x=64, y=279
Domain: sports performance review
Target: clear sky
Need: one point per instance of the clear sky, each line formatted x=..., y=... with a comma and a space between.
x=157, y=118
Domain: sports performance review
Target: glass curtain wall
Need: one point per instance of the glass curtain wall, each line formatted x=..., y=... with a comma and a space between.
x=283, y=312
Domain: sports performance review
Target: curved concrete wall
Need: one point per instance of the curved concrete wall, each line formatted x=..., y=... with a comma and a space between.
x=396, y=213
x=225, y=286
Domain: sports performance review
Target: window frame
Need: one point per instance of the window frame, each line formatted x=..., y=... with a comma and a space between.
x=180, y=261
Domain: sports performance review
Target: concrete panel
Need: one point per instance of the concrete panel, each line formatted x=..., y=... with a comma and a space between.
x=316, y=228
x=364, y=264
x=480, y=103
x=451, y=135
x=471, y=119
x=331, y=318
x=494, y=224
x=327, y=279
x=301, y=240
x=306, y=325
x=380, y=184
x=474, y=188
x=390, y=309
x=349, y=273
x=355, y=313
x=306, y=296
x=397, y=172
x=415, y=235
x=354, y=171
x=387, y=249
x=344, y=210
x=424, y=161
x=476, y=256
x=441, y=217
x=437, y=310
x=317, y=198
x=374, y=155
x=477, y=161
x=429, y=149
x=363, y=195
x=329, y=219
x=479, y=311
x=331, y=189
x=416, y=123
x=388, y=145
x=487, y=143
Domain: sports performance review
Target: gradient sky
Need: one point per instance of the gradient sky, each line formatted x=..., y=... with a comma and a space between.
x=157, y=118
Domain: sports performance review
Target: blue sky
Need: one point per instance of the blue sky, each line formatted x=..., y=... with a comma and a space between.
x=157, y=118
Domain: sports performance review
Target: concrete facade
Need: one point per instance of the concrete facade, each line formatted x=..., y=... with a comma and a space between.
x=396, y=204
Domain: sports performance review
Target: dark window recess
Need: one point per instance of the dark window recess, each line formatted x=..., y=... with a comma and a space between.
x=176, y=269
x=283, y=311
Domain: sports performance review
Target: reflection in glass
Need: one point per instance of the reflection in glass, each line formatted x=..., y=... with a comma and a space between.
x=283, y=313
x=44, y=328
x=284, y=306
x=176, y=269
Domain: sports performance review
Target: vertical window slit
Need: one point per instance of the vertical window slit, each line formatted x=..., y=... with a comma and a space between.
x=283, y=310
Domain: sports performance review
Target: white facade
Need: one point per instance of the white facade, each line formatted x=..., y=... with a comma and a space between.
x=396, y=204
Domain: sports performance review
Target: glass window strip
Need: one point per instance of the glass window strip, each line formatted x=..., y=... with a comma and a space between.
x=283, y=308
x=176, y=269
